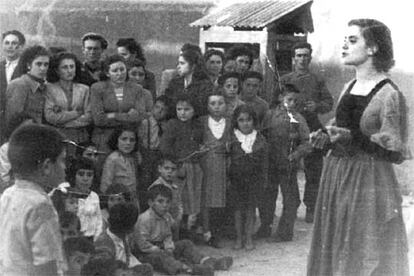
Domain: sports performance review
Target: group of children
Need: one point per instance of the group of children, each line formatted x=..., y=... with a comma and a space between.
x=170, y=177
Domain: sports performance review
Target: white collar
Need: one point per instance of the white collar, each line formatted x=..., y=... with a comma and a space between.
x=216, y=127
x=246, y=141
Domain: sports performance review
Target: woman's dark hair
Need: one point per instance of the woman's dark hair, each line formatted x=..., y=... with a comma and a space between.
x=113, y=139
x=137, y=63
x=122, y=217
x=52, y=73
x=30, y=145
x=377, y=34
x=29, y=55
x=240, y=50
x=133, y=47
x=107, y=63
x=244, y=108
x=189, y=46
x=15, y=122
x=75, y=165
x=214, y=52
x=195, y=60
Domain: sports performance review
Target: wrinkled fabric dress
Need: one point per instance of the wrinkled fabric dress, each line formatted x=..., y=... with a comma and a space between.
x=359, y=228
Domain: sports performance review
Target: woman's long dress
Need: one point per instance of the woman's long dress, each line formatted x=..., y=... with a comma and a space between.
x=359, y=228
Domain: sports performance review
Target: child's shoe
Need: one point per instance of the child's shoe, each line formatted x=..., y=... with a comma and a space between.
x=223, y=263
x=202, y=269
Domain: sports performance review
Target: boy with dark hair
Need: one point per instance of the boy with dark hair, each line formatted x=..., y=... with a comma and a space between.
x=116, y=242
x=287, y=134
x=78, y=252
x=251, y=87
x=30, y=240
x=153, y=232
x=242, y=57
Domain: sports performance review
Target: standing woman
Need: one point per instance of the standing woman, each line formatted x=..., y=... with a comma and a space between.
x=114, y=101
x=130, y=49
x=192, y=80
x=359, y=229
x=67, y=104
x=214, y=60
x=27, y=94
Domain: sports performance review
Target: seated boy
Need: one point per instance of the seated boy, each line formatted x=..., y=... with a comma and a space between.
x=153, y=233
x=167, y=169
x=78, y=252
x=116, y=243
x=30, y=239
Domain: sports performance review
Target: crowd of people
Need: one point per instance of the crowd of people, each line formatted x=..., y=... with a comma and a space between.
x=101, y=173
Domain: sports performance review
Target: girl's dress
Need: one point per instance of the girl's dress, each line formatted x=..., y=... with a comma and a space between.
x=214, y=164
x=90, y=216
x=359, y=228
x=248, y=172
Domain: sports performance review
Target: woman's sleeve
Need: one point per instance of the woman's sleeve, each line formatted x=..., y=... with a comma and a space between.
x=392, y=133
x=16, y=98
x=97, y=107
x=137, y=114
x=108, y=173
x=55, y=114
x=86, y=118
x=304, y=147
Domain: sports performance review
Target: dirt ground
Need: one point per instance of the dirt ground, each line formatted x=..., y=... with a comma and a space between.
x=289, y=258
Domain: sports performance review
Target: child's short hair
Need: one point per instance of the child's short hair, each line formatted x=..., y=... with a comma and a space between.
x=167, y=157
x=75, y=165
x=222, y=79
x=157, y=190
x=182, y=97
x=99, y=267
x=244, y=108
x=83, y=146
x=164, y=99
x=113, y=139
x=122, y=217
x=252, y=75
x=115, y=189
x=78, y=244
x=30, y=145
x=215, y=92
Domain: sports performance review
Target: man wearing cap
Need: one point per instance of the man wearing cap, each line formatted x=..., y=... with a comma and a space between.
x=93, y=45
x=12, y=44
x=251, y=86
x=314, y=99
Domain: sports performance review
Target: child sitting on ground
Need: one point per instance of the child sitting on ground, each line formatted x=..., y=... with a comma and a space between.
x=153, y=233
x=78, y=252
x=116, y=242
x=167, y=169
x=80, y=174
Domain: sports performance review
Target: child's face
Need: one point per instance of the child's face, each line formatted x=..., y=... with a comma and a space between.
x=71, y=204
x=115, y=199
x=159, y=111
x=137, y=74
x=160, y=205
x=185, y=111
x=70, y=230
x=83, y=180
x=168, y=170
x=289, y=100
x=251, y=88
x=245, y=123
x=91, y=154
x=231, y=87
x=76, y=261
x=216, y=106
x=126, y=142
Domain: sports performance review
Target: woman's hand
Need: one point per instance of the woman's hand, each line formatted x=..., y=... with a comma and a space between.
x=318, y=139
x=338, y=133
